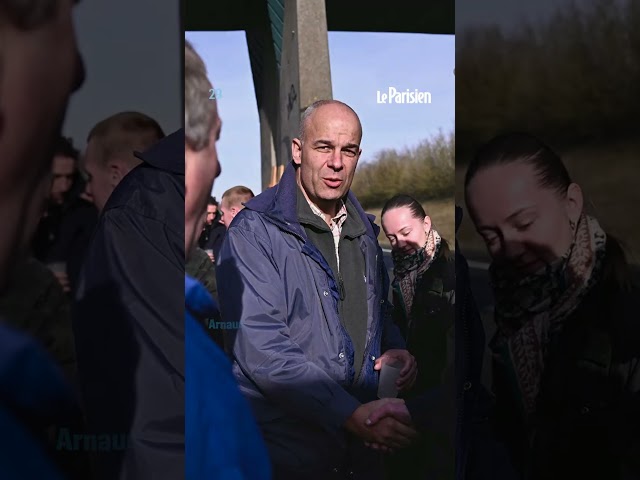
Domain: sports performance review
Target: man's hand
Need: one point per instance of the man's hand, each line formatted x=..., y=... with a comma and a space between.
x=396, y=410
x=409, y=371
x=387, y=432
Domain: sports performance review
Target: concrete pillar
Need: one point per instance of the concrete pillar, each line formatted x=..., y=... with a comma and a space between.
x=305, y=75
x=266, y=86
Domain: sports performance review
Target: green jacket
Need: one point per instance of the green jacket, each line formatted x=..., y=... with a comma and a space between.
x=35, y=303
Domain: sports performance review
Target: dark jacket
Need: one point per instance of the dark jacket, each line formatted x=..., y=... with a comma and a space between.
x=64, y=236
x=223, y=440
x=479, y=453
x=429, y=332
x=292, y=356
x=212, y=237
x=588, y=420
x=429, y=325
x=129, y=320
x=35, y=303
x=200, y=267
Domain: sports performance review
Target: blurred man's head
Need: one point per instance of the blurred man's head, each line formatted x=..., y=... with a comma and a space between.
x=202, y=130
x=65, y=161
x=232, y=202
x=39, y=69
x=212, y=211
x=110, y=146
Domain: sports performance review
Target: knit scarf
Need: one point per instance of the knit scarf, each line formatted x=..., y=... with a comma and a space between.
x=530, y=312
x=409, y=268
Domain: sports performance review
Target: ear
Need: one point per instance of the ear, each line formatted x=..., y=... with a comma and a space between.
x=296, y=151
x=574, y=202
x=427, y=223
x=234, y=211
x=115, y=173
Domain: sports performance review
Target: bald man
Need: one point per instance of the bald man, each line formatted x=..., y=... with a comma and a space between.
x=301, y=272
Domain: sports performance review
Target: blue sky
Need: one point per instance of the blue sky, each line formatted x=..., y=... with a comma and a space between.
x=361, y=64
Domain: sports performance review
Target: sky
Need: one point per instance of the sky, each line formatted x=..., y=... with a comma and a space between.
x=361, y=64
x=131, y=63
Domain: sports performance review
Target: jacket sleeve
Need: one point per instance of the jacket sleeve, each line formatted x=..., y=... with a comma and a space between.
x=251, y=292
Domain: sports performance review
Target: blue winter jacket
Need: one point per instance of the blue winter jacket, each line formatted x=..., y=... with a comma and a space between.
x=292, y=357
x=222, y=439
x=33, y=395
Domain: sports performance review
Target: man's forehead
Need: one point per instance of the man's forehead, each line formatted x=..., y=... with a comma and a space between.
x=63, y=162
x=336, y=120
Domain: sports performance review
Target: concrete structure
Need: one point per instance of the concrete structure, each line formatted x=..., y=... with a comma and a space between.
x=289, y=52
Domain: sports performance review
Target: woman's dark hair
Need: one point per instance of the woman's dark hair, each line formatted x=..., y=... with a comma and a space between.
x=417, y=211
x=400, y=201
x=64, y=147
x=522, y=147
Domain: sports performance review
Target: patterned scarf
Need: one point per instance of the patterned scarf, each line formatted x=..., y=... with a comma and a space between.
x=530, y=312
x=409, y=268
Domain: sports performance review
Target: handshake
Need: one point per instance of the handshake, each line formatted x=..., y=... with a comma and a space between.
x=384, y=425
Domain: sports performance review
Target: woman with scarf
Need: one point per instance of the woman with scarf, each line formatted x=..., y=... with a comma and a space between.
x=566, y=349
x=424, y=310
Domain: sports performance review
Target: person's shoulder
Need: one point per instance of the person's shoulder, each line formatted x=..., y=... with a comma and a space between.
x=251, y=221
x=146, y=186
x=147, y=195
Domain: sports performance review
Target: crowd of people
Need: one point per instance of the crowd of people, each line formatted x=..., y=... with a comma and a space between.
x=270, y=363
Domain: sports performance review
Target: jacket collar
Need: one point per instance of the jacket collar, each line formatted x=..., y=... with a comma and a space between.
x=167, y=154
x=279, y=204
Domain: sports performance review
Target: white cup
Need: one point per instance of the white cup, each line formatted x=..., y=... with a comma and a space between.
x=389, y=373
x=57, y=267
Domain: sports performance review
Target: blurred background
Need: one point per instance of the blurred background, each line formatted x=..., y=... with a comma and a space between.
x=127, y=67
x=568, y=72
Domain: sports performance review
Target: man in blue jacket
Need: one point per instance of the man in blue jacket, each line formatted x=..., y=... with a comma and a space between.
x=37, y=43
x=222, y=439
x=302, y=274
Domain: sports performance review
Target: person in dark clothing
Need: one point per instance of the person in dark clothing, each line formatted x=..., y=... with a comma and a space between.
x=37, y=43
x=128, y=321
x=566, y=354
x=109, y=155
x=232, y=202
x=65, y=228
x=74, y=237
x=424, y=301
x=200, y=267
x=478, y=454
x=213, y=232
